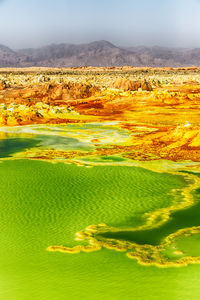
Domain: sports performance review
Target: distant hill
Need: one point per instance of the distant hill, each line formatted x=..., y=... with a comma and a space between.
x=100, y=54
x=8, y=57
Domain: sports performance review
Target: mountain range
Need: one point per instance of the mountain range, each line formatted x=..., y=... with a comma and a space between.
x=98, y=54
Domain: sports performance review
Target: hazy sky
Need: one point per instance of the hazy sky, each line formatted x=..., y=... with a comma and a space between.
x=33, y=23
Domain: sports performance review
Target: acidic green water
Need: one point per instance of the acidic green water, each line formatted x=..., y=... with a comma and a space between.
x=43, y=204
x=184, y=218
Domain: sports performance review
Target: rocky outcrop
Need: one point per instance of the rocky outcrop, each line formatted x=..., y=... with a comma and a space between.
x=53, y=94
x=128, y=85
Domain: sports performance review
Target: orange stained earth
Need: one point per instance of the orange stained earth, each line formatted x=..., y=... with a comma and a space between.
x=163, y=121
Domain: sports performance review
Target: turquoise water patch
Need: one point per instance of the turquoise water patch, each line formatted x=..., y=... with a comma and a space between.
x=83, y=134
x=10, y=146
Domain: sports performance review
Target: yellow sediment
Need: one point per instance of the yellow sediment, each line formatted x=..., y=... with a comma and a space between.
x=178, y=252
x=64, y=249
x=76, y=249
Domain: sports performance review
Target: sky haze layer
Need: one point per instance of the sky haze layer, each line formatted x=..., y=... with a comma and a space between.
x=34, y=23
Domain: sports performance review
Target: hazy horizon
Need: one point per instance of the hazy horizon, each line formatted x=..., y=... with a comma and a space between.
x=93, y=41
x=32, y=24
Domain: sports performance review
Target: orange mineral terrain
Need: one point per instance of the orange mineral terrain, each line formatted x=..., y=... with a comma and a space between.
x=158, y=106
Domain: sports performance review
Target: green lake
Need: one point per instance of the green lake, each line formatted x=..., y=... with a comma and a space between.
x=44, y=203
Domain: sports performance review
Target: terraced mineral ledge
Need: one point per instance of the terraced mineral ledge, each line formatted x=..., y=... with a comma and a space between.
x=131, y=119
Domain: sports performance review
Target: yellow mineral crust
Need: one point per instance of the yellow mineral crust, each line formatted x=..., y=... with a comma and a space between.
x=76, y=249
